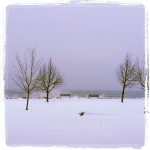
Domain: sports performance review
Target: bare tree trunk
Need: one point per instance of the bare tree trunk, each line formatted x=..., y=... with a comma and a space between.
x=27, y=100
x=26, y=73
x=122, y=96
x=49, y=78
x=47, y=96
x=127, y=74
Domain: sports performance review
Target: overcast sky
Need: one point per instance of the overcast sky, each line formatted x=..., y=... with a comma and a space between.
x=85, y=42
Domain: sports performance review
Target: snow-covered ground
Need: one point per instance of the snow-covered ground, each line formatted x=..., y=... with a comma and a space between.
x=106, y=123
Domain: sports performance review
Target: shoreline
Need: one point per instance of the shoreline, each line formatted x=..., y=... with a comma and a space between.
x=103, y=94
x=75, y=98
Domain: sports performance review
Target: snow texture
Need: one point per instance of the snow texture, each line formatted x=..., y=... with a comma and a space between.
x=105, y=123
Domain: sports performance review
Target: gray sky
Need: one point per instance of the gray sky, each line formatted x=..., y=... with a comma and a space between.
x=85, y=42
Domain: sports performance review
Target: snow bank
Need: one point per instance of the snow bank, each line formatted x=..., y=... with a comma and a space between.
x=106, y=123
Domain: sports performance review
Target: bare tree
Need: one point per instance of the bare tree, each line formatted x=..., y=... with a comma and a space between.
x=127, y=74
x=26, y=73
x=141, y=75
x=49, y=78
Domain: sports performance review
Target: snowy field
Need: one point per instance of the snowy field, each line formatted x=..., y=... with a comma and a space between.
x=106, y=123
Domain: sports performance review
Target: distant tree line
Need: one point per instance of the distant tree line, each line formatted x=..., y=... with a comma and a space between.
x=131, y=73
x=31, y=75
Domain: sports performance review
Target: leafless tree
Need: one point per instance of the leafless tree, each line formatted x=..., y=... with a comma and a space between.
x=141, y=75
x=49, y=78
x=127, y=74
x=26, y=73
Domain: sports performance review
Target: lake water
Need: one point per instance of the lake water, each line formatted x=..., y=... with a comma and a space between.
x=13, y=93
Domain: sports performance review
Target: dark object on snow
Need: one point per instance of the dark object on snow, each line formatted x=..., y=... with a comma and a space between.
x=81, y=113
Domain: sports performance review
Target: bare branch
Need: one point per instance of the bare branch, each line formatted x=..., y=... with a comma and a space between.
x=141, y=75
x=26, y=73
x=49, y=78
x=127, y=74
